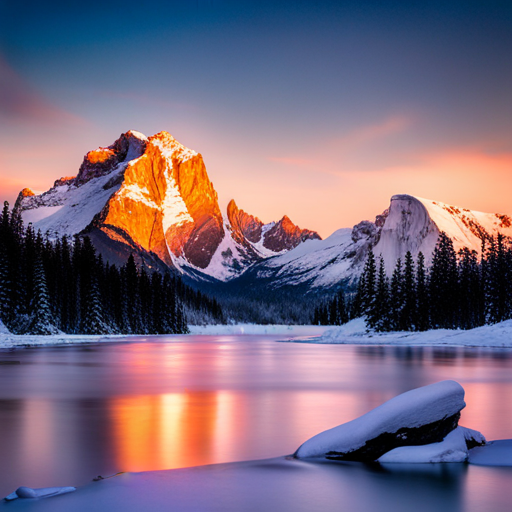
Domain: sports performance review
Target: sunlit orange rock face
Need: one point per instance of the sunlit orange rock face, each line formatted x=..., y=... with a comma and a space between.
x=243, y=226
x=101, y=161
x=167, y=203
x=285, y=235
x=26, y=192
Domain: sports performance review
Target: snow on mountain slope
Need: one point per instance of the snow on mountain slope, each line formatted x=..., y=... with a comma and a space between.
x=409, y=224
x=153, y=196
x=413, y=224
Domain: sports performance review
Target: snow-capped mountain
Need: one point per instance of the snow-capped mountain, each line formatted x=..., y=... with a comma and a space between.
x=152, y=196
x=409, y=224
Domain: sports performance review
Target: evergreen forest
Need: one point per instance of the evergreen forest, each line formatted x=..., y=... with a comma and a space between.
x=458, y=290
x=63, y=285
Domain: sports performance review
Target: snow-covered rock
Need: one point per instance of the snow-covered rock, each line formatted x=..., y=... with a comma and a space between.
x=45, y=492
x=421, y=416
x=453, y=448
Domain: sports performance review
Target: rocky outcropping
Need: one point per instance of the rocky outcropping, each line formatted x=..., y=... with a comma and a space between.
x=167, y=204
x=285, y=235
x=418, y=417
x=102, y=161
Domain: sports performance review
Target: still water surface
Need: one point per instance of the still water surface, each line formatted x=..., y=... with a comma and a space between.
x=68, y=414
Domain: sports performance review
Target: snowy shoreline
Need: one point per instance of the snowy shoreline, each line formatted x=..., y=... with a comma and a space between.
x=353, y=333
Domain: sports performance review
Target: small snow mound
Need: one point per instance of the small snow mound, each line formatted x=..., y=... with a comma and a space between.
x=355, y=327
x=3, y=328
x=453, y=448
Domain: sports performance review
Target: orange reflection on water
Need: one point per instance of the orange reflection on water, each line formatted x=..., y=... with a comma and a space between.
x=163, y=431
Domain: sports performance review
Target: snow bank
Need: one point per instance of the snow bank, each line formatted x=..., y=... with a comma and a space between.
x=29, y=340
x=3, y=328
x=494, y=453
x=291, y=330
x=355, y=333
x=411, y=410
x=452, y=449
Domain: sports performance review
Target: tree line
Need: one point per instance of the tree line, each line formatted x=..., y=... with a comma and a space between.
x=63, y=285
x=458, y=291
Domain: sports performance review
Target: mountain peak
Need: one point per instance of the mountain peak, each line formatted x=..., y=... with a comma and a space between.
x=285, y=235
x=102, y=161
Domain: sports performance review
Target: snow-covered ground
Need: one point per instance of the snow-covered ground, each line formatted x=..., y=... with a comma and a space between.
x=355, y=333
x=285, y=330
x=352, y=333
x=8, y=341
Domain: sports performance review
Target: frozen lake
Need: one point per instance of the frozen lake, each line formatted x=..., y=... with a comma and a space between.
x=68, y=414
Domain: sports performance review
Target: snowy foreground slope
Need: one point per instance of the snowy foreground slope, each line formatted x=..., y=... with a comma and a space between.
x=355, y=333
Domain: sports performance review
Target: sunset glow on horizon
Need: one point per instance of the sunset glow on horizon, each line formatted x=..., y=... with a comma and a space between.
x=319, y=111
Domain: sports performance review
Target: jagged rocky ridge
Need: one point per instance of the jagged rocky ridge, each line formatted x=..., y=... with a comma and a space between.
x=152, y=196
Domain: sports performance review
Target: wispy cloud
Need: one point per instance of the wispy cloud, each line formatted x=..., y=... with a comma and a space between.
x=329, y=156
x=18, y=101
x=365, y=135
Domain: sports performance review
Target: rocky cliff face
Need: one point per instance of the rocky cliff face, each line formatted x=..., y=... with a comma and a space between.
x=285, y=235
x=167, y=204
x=153, y=195
x=275, y=237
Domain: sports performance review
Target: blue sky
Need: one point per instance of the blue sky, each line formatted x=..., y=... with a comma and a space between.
x=316, y=110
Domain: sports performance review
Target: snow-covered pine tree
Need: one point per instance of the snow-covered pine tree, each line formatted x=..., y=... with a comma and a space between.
x=40, y=320
x=93, y=321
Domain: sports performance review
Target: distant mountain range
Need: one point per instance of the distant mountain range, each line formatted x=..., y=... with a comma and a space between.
x=152, y=197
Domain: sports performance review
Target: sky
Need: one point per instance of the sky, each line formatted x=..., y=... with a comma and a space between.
x=317, y=110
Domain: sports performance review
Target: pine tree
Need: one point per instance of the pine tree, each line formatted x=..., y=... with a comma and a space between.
x=443, y=284
x=93, y=321
x=379, y=316
x=5, y=287
x=397, y=297
x=41, y=321
x=422, y=298
x=409, y=311
x=470, y=290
